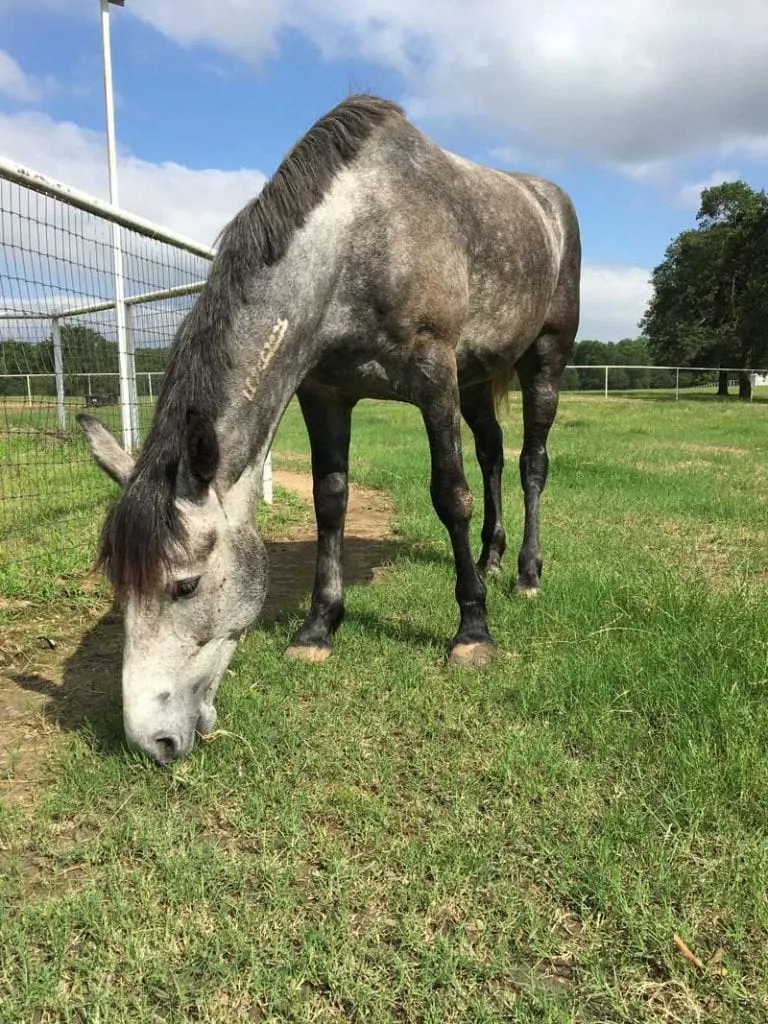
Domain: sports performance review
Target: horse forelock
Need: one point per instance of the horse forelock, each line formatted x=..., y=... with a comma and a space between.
x=141, y=534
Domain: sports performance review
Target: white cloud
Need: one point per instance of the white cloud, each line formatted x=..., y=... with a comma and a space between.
x=17, y=85
x=245, y=27
x=613, y=300
x=628, y=84
x=622, y=83
x=196, y=203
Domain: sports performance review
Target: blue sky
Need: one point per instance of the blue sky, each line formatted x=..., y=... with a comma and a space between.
x=630, y=110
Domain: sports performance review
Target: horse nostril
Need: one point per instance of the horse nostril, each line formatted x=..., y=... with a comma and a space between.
x=166, y=748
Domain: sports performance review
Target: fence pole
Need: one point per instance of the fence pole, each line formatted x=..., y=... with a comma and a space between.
x=128, y=399
x=58, y=367
x=149, y=386
x=677, y=382
x=29, y=390
x=130, y=395
x=266, y=479
x=606, y=382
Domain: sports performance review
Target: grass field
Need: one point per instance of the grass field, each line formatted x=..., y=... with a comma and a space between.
x=385, y=837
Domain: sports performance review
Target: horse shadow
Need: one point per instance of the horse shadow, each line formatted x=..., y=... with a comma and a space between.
x=88, y=698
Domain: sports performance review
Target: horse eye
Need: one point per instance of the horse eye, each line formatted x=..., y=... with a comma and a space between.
x=184, y=588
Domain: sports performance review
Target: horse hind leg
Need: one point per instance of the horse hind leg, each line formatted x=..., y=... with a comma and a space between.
x=539, y=370
x=435, y=390
x=478, y=410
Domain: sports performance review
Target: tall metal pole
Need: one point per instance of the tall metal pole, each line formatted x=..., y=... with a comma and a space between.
x=127, y=369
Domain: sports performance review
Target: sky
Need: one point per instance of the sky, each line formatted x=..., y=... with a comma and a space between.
x=632, y=109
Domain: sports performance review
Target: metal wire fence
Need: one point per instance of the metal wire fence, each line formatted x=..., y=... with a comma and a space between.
x=68, y=343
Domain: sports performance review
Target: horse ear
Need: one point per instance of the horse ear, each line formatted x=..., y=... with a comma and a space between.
x=106, y=452
x=201, y=453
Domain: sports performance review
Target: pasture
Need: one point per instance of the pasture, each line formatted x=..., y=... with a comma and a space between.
x=386, y=837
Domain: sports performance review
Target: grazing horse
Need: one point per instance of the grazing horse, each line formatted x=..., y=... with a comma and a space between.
x=373, y=264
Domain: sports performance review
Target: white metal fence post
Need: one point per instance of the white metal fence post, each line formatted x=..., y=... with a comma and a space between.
x=58, y=367
x=131, y=391
x=29, y=390
x=606, y=382
x=677, y=383
x=128, y=398
x=266, y=479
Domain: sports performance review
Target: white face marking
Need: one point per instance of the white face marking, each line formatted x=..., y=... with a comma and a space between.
x=264, y=358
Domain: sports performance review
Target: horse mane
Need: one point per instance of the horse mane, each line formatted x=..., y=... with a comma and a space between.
x=143, y=528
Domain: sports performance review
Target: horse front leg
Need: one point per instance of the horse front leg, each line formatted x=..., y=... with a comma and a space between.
x=328, y=421
x=438, y=399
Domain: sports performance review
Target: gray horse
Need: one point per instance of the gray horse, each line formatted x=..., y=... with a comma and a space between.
x=374, y=264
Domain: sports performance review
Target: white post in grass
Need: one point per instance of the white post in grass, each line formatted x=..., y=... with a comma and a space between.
x=606, y=382
x=58, y=369
x=128, y=397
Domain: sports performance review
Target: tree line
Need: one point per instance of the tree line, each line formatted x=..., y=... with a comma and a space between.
x=710, y=292
x=83, y=351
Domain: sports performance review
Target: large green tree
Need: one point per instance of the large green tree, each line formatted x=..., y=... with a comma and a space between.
x=710, y=293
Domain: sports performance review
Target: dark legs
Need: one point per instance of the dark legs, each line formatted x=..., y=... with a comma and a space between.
x=477, y=409
x=438, y=399
x=435, y=391
x=539, y=372
x=328, y=423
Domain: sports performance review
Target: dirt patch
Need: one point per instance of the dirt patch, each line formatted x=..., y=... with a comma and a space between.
x=61, y=669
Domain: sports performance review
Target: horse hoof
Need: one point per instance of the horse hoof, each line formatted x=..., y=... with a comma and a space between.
x=306, y=652
x=527, y=591
x=475, y=654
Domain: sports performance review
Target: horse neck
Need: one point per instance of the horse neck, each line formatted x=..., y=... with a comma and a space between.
x=272, y=349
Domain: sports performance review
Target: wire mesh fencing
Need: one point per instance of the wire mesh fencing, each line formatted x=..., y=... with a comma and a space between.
x=67, y=345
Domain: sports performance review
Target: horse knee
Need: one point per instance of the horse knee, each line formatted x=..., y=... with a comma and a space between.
x=452, y=503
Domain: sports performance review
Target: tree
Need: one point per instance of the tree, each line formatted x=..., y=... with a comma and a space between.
x=710, y=293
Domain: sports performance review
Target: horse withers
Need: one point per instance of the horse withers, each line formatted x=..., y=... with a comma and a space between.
x=373, y=264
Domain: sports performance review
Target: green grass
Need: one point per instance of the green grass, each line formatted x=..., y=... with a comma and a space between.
x=384, y=837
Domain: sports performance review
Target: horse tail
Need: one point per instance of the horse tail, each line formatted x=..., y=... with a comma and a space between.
x=500, y=387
